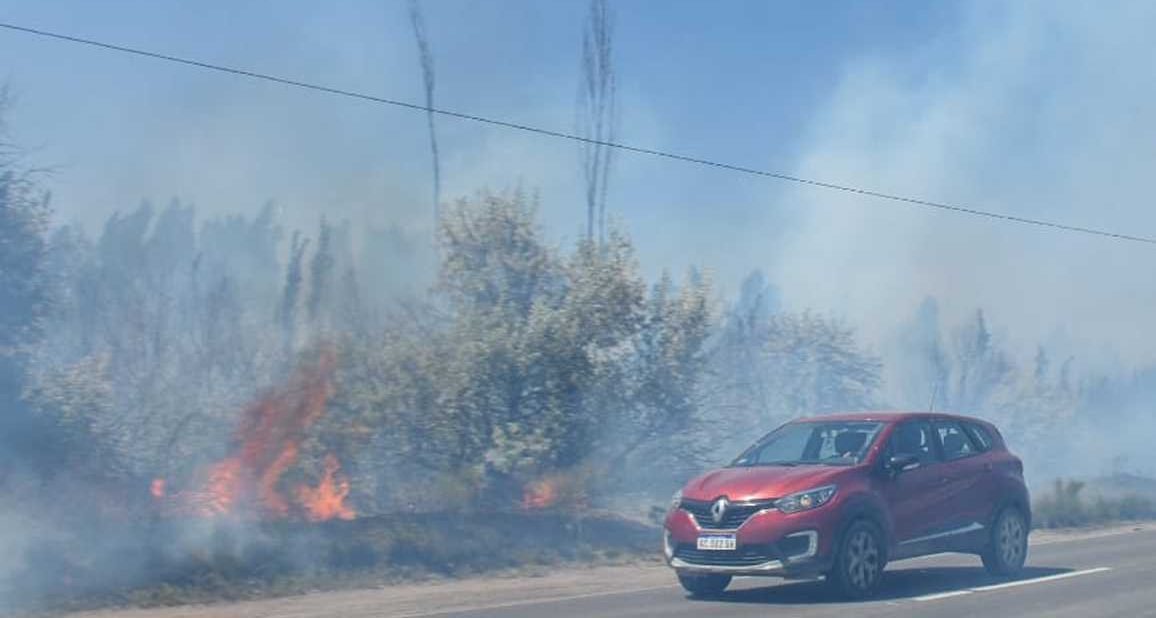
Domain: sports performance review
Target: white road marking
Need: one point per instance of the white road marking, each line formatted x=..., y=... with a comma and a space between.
x=519, y=603
x=1005, y=585
x=1040, y=580
x=942, y=595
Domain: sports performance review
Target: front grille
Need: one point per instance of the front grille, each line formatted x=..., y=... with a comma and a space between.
x=737, y=513
x=745, y=556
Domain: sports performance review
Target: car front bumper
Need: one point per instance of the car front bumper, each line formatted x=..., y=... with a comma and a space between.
x=806, y=564
x=769, y=544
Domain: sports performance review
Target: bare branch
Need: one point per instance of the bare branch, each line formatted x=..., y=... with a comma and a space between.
x=597, y=113
x=425, y=59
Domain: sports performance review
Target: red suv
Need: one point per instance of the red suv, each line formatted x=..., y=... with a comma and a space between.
x=843, y=495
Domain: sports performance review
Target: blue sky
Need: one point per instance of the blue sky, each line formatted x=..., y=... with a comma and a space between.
x=735, y=81
x=1031, y=108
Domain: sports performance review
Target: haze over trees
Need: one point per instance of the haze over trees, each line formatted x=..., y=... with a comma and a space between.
x=132, y=353
x=136, y=352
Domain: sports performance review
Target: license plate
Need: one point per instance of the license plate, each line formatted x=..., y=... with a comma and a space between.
x=717, y=542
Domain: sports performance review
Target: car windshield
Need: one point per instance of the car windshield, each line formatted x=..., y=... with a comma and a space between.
x=825, y=443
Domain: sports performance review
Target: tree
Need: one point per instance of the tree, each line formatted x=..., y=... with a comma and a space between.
x=425, y=59
x=980, y=366
x=818, y=365
x=72, y=399
x=597, y=113
x=23, y=249
x=24, y=294
x=291, y=293
x=544, y=363
x=768, y=370
x=669, y=368
x=321, y=277
x=918, y=368
x=738, y=384
x=1036, y=412
x=495, y=261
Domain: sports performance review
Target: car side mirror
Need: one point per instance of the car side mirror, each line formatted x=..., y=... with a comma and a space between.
x=901, y=463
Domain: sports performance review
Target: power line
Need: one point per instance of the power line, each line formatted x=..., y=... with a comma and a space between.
x=577, y=138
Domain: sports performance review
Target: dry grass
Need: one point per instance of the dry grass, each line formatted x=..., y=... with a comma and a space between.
x=285, y=559
x=1068, y=506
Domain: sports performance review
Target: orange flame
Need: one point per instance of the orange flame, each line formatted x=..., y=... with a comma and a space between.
x=222, y=488
x=327, y=501
x=268, y=445
x=540, y=494
x=157, y=488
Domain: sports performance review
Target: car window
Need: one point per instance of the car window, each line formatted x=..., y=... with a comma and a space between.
x=786, y=447
x=955, y=442
x=980, y=436
x=844, y=441
x=828, y=443
x=913, y=438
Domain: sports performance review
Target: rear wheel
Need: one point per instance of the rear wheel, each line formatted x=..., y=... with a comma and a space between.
x=859, y=561
x=1008, y=547
x=704, y=585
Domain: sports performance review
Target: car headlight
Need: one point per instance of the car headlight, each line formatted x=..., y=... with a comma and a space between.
x=805, y=500
x=676, y=499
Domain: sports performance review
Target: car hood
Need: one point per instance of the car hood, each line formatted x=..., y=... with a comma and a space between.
x=760, y=482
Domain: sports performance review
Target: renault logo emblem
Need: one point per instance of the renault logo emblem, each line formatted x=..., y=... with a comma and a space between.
x=718, y=510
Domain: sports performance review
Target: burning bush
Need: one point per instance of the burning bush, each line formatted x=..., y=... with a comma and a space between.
x=267, y=445
x=568, y=490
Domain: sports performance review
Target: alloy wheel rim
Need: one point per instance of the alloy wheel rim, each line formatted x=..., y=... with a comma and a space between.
x=863, y=560
x=1011, y=538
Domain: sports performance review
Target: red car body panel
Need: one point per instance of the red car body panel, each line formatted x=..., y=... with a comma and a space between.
x=740, y=484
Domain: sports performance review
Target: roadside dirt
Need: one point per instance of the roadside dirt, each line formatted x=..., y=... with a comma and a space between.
x=1043, y=537
x=413, y=600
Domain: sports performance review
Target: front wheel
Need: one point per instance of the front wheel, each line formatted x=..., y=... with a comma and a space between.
x=1008, y=547
x=859, y=561
x=704, y=585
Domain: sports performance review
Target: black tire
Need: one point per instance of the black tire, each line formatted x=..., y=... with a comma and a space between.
x=703, y=586
x=1007, y=548
x=859, y=561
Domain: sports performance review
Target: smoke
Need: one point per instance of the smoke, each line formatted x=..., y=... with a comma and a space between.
x=1032, y=109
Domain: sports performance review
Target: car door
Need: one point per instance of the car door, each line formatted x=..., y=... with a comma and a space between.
x=913, y=496
x=989, y=464
x=966, y=472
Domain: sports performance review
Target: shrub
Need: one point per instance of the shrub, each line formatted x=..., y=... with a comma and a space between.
x=1064, y=507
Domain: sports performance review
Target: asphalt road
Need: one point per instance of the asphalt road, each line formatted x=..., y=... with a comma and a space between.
x=1106, y=576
